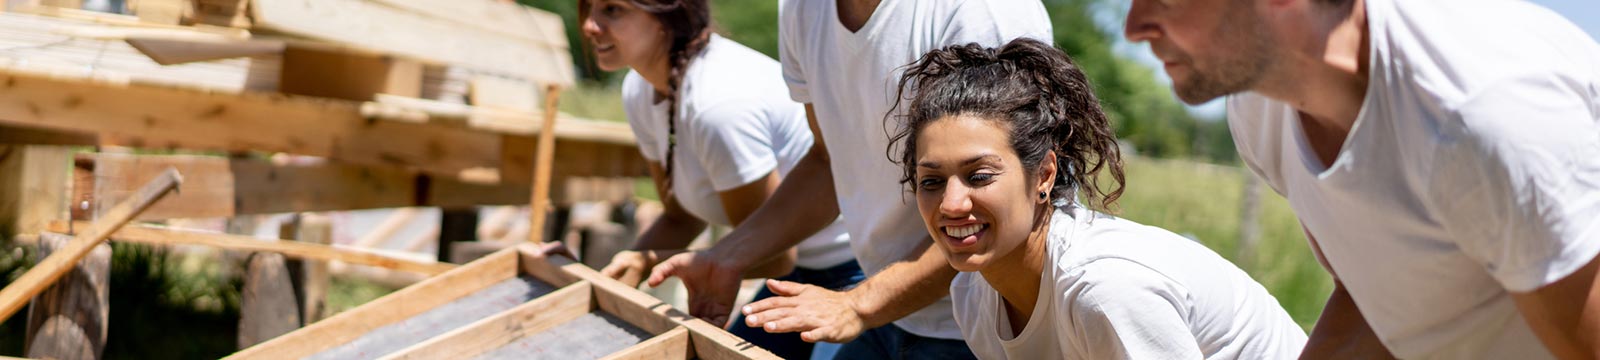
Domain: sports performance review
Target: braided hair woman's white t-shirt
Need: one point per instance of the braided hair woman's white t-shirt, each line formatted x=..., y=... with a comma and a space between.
x=1115, y=289
x=736, y=124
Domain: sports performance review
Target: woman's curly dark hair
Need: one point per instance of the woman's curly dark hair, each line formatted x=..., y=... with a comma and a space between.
x=1032, y=88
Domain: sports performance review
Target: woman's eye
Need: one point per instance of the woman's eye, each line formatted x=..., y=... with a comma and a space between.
x=980, y=178
x=930, y=183
x=611, y=10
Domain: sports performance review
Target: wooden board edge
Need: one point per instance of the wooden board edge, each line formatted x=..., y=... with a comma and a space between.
x=386, y=310
x=491, y=333
x=673, y=344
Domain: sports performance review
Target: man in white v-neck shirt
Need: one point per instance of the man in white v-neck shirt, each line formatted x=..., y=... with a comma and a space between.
x=842, y=58
x=1443, y=156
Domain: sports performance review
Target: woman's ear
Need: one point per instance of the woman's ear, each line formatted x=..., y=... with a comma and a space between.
x=1047, y=176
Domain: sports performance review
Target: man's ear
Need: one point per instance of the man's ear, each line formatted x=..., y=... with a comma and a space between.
x=1047, y=176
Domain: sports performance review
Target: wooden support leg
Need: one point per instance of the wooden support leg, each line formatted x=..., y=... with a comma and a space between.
x=543, y=158
x=35, y=183
x=47, y=271
x=68, y=320
x=310, y=276
x=267, y=306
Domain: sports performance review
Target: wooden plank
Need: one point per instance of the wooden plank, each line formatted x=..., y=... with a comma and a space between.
x=501, y=17
x=81, y=296
x=394, y=307
x=147, y=116
x=673, y=344
x=346, y=75
x=393, y=30
x=35, y=183
x=118, y=176
x=23, y=135
x=491, y=333
x=502, y=93
x=301, y=250
x=166, y=51
x=709, y=341
x=15, y=295
x=541, y=173
x=168, y=12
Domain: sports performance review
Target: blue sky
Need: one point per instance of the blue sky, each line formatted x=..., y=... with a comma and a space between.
x=1585, y=13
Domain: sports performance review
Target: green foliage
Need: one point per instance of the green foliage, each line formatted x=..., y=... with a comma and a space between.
x=1203, y=202
x=1143, y=110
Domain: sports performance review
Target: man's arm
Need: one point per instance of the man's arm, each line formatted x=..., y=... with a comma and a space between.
x=1566, y=314
x=802, y=205
x=1342, y=332
x=823, y=315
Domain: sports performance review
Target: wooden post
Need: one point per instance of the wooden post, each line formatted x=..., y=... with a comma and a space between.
x=267, y=306
x=34, y=187
x=540, y=204
x=456, y=224
x=310, y=275
x=57, y=264
x=68, y=320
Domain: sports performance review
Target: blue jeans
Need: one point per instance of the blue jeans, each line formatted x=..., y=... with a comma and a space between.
x=890, y=342
x=788, y=345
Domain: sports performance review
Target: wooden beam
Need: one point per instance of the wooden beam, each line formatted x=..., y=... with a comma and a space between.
x=23, y=135
x=542, y=162
x=673, y=344
x=301, y=250
x=386, y=310
x=347, y=75
x=709, y=341
x=14, y=296
x=166, y=51
x=35, y=182
x=393, y=30
x=500, y=17
x=491, y=333
x=230, y=187
x=156, y=117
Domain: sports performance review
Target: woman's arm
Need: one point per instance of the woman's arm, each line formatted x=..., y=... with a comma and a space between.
x=667, y=236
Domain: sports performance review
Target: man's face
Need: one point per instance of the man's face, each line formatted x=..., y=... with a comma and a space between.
x=1210, y=48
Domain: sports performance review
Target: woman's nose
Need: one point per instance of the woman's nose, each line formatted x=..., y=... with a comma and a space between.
x=589, y=27
x=956, y=201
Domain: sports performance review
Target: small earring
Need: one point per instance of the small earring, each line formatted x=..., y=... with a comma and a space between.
x=1042, y=195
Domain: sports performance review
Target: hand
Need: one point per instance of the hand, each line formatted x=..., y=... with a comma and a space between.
x=628, y=267
x=713, y=283
x=818, y=314
x=549, y=248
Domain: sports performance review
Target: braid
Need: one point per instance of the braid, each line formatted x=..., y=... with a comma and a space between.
x=678, y=65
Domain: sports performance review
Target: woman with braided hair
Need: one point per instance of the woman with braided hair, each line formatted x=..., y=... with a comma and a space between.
x=715, y=120
x=998, y=145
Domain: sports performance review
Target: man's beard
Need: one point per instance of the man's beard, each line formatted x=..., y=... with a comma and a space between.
x=1241, y=66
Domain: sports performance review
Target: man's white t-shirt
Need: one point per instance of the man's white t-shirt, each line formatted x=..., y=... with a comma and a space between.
x=1115, y=289
x=736, y=124
x=851, y=78
x=1472, y=171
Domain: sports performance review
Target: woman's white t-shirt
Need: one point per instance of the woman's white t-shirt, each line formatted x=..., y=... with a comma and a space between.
x=1115, y=289
x=736, y=124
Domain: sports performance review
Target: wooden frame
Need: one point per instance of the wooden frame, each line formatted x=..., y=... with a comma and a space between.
x=580, y=290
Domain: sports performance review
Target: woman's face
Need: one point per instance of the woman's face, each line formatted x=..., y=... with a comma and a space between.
x=623, y=36
x=972, y=191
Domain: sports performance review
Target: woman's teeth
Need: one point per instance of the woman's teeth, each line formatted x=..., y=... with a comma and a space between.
x=962, y=231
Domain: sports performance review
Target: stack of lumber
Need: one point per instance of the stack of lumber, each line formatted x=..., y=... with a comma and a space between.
x=437, y=87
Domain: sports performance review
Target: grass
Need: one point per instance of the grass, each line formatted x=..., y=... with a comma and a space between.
x=1202, y=201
